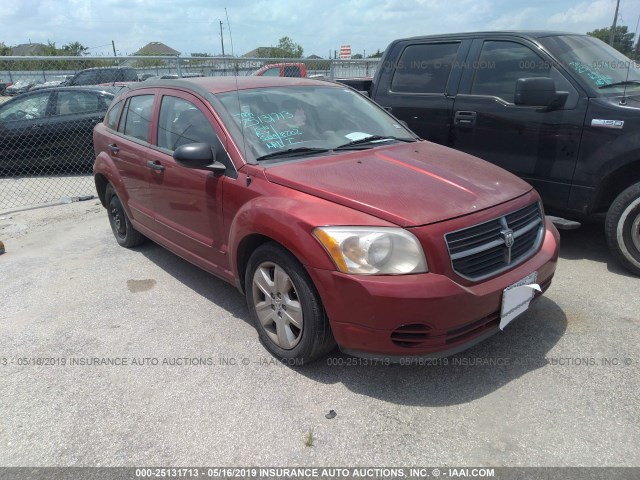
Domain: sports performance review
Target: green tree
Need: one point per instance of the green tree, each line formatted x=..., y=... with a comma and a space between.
x=622, y=39
x=4, y=50
x=50, y=49
x=287, y=48
x=378, y=54
x=74, y=49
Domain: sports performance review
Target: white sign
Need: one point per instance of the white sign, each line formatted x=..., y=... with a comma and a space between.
x=345, y=52
x=516, y=298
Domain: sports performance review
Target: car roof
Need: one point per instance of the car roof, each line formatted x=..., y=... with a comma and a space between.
x=495, y=33
x=118, y=67
x=203, y=85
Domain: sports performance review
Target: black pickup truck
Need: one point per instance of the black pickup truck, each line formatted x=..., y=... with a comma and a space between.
x=560, y=110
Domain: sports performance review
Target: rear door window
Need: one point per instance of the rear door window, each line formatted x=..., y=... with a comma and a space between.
x=86, y=78
x=137, y=116
x=424, y=68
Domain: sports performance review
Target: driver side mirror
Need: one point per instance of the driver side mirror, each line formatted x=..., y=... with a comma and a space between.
x=539, y=92
x=198, y=156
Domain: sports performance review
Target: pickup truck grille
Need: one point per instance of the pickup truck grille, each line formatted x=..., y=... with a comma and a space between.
x=491, y=247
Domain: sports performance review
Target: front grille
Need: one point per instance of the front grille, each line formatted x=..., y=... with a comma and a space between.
x=483, y=250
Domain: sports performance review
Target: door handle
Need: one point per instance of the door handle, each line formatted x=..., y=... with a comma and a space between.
x=155, y=166
x=464, y=118
x=114, y=148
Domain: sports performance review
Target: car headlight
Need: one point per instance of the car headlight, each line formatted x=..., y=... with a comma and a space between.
x=373, y=250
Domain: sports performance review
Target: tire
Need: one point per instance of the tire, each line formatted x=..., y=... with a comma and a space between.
x=622, y=228
x=125, y=234
x=285, y=306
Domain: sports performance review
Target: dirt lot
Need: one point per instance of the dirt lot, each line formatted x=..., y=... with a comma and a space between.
x=190, y=384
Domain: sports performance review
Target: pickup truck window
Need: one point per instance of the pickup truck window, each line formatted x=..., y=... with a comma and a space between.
x=501, y=64
x=272, y=72
x=424, y=68
x=292, y=71
x=593, y=61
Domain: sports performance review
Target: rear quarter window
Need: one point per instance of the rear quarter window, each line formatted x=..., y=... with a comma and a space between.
x=111, y=120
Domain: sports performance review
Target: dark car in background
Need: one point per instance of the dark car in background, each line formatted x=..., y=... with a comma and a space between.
x=98, y=75
x=51, y=130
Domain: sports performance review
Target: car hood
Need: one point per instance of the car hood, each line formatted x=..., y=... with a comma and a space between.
x=409, y=184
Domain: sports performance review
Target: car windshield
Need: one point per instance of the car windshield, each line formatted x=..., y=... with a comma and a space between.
x=278, y=122
x=596, y=63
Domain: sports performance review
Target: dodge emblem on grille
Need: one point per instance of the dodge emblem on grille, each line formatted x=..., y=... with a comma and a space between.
x=507, y=236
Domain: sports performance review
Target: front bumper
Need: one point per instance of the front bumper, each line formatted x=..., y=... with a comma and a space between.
x=428, y=315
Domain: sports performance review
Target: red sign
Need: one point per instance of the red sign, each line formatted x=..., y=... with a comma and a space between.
x=345, y=52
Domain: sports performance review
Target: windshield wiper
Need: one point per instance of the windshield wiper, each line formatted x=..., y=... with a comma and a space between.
x=617, y=84
x=372, y=139
x=291, y=152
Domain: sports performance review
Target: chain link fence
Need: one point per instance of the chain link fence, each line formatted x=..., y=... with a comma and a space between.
x=46, y=149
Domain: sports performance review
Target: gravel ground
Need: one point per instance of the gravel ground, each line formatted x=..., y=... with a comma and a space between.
x=559, y=387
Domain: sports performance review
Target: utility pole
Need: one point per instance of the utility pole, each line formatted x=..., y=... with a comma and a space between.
x=615, y=22
x=113, y=44
x=221, y=38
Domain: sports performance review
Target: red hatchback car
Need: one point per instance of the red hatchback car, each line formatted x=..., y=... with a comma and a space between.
x=337, y=222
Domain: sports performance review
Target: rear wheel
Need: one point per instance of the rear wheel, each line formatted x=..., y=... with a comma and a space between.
x=285, y=306
x=125, y=234
x=622, y=228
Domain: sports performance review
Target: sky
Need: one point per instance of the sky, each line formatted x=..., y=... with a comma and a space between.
x=320, y=27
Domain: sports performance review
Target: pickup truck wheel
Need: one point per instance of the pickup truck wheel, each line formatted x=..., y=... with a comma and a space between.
x=622, y=228
x=125, y=234
x=285, y=306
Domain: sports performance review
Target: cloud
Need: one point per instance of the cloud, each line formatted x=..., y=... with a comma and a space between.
x=320, y=27
x=512, y=21
x=599, y=12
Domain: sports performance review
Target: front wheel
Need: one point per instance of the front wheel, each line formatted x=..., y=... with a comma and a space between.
x=285, y=306
x=622, y=228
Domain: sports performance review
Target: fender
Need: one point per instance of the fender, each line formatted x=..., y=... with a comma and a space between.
x=290, y=221
x=105, y=168
x=617, y=174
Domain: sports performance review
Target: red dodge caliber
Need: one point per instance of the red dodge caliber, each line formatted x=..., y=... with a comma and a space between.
x=337, y=222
